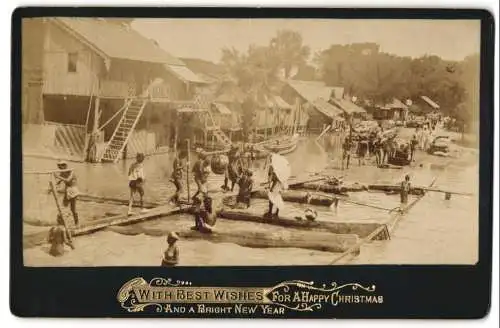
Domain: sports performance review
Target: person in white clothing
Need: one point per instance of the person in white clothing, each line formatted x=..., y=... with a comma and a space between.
x=136, y=181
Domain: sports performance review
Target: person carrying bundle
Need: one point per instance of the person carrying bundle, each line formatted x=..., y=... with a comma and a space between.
x=201, y=172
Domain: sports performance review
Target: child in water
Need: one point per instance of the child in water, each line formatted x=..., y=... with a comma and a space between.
x=58, y=237
x=171, y=255
x=136, y=181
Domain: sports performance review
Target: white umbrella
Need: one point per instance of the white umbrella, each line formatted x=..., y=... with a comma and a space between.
x=281, y=167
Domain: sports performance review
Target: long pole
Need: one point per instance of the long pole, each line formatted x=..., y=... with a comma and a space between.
x=53, y=192
x=188, y=148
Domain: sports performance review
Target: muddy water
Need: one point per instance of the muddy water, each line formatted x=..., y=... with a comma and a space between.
x=434, y=232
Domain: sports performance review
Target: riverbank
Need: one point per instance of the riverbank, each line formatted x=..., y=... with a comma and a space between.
x=113, y=247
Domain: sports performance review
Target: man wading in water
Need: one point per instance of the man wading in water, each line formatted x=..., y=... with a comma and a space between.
x=136, y=182
x=346, y=151
x=171, y=255
x=405, y=191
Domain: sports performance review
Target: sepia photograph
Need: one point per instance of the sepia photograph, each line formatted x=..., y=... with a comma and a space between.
x=197, y=142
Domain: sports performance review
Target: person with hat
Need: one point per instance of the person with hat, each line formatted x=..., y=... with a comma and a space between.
x=171, y=254
x=59, y=237
x=136, y=179
x=405, y=190
x=68, y=177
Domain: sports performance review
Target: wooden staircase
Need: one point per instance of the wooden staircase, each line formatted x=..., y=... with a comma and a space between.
x=212, y=128
x=121, y=135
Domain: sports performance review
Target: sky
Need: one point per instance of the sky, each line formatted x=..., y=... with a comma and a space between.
x=204, y=38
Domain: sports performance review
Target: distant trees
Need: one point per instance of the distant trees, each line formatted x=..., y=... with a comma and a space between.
x=367, y=73
x=258, y=71
x=361, y=68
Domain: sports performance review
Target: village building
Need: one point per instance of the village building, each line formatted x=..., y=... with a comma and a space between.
x=394, y=110
x=324, y=105
x=106, y=85
x=423, y=106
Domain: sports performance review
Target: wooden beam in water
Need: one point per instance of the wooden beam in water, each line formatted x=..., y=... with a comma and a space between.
x=319, y=241
x=297, y=196
x=361, y=229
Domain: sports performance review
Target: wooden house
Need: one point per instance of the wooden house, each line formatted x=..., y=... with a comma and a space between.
x=394, y=110
x=102, y=75
x=314, y=97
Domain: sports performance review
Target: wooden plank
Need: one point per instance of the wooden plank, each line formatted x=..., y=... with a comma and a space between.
x=125, y=219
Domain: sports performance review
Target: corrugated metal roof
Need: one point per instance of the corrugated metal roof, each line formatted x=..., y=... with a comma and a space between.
x=185, y=73
x=222, y=109
x=312, y=90
x=118, y=41
x=348, y=106
x=277, y=102
x=430, y=102
x=326, y=108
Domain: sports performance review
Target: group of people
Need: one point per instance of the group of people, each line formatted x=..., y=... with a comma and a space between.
x=385, y=149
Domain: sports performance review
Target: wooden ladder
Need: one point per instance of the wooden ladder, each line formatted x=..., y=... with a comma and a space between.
x=123, y=131
x=212, y=127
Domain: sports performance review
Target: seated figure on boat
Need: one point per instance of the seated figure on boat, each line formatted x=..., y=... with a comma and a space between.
x=205, y=215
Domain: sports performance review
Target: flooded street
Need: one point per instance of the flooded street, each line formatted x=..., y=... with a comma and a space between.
x=435, y=231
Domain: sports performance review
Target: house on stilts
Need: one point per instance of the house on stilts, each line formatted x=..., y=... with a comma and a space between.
x=108, y=92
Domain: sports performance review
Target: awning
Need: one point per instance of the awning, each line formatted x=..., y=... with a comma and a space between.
x=348, y=106
x=430, y=102
x=326, y=108
x=190, y=110
x=185, y=74
x=222, y=109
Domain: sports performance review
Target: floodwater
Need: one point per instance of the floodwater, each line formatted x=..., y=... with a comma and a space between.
x=435, y=231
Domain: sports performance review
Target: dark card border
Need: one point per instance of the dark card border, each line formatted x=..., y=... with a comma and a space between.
x=410, y=291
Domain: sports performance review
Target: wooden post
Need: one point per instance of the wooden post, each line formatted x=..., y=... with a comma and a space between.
x=188, y=171
x=97, y=114
x=176, y=128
